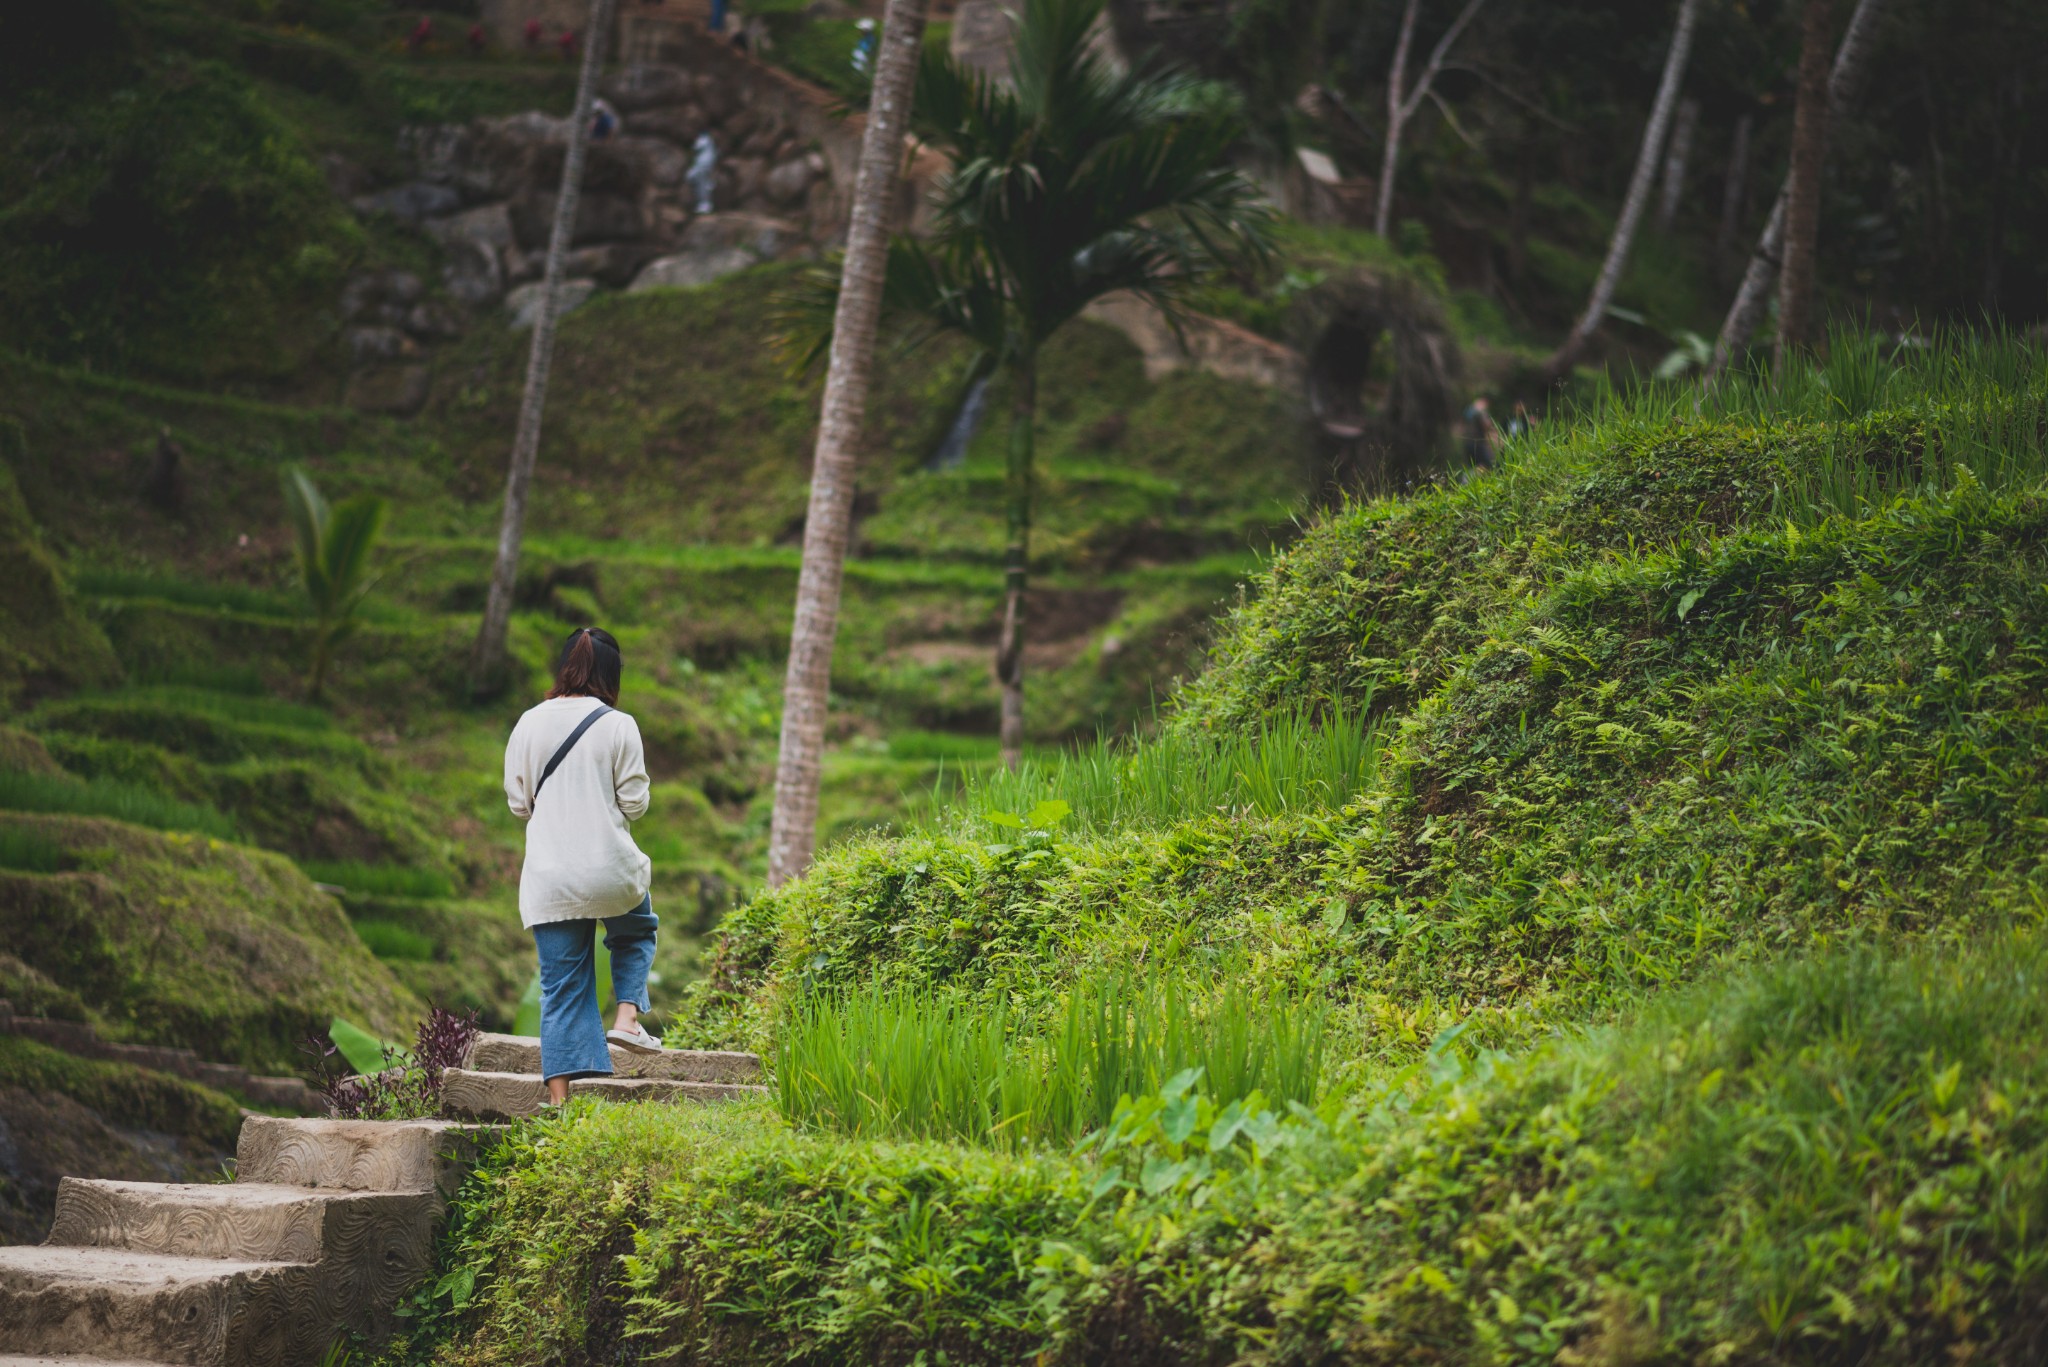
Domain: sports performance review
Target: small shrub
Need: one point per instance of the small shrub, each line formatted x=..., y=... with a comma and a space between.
x=408, y=1086
x=23, y=792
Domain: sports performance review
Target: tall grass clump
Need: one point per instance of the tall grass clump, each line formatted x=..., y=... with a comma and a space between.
x=25, y=792
x=1890, y=417
x=1291, y=761
x=29, y=851
x=915, y=1063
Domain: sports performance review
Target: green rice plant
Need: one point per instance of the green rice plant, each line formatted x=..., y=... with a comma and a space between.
x=25, y=792
x=103, y=582
x=380, y=880
x=29, y=851
x=1292, y=761
x=230, y=705
x=940, y=745
x=390, y=940
x=917, y=1063
x=1976, y=401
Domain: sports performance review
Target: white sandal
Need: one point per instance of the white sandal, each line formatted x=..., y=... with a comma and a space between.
x=636, y=1039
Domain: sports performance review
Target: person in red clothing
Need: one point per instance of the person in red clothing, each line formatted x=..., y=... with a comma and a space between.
x=421, y=32
x=567, y=42
x=533, y=33
x=476, y=39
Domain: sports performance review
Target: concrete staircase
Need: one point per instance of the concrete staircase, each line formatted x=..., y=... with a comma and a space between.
x=327, y=1224
x=503, y=1081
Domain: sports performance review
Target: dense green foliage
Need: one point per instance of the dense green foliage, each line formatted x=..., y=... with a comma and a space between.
x=1684, y=947
x=1838, y=1159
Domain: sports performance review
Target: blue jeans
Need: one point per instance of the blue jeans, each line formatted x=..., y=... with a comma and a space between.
x=571, y=1030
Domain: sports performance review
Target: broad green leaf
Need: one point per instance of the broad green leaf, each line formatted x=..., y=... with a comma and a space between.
x=1048, y=813
x=363, y=1050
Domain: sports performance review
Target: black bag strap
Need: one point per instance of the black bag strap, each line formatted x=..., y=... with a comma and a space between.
x=562, y=752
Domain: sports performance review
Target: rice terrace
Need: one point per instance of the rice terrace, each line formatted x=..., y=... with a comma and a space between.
x=1243, y=683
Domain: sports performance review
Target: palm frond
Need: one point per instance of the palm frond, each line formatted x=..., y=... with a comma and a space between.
x=352, y=529
x=307, y=512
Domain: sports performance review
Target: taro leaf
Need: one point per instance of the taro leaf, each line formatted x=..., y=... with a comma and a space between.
x=1006, y=819
x=1050, y=812
x=1159, y=1175
x=1181, y=1082
x=1179, y=1118
x=363, y=1050
x=1334, y=914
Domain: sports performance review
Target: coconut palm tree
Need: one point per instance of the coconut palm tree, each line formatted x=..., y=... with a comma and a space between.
x=828, y=522
x=333, y=545
x=1069, y=181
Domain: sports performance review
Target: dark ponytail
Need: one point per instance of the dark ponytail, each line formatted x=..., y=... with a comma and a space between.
x=589, y=667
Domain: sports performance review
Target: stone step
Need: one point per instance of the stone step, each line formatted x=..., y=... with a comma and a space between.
x=371, y=1246
x=357, y=1155
x=521, y=1054
x=508, y=1096
x=190, y=1312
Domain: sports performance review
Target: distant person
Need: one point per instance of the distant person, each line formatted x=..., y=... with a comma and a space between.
x=567, y=43
x=1481, y=437
x=718, y=16
x=702, y=177
x=422, y=33
x=533, y=35
x=1519, y=422
x=604, y=120
x=576, y=774
x=864, y=48
x=477, y=41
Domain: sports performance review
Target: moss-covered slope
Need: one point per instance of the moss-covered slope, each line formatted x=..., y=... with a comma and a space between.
x=186, y=940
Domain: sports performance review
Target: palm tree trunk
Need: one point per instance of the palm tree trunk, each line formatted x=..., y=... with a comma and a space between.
x=1802, y=184
x=1852, y=59
x=1017, y=557
x=828, y=520
x=487, y=658
x=1618, y=247
x=1390, y=157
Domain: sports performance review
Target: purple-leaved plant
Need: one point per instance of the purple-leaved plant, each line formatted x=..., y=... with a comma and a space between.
x=409, y=1085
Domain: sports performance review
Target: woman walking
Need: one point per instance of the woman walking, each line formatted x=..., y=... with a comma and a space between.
x=575, y=773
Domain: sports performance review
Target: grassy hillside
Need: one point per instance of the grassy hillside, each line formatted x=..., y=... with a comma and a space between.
x=1673, y=947
x=668, y=507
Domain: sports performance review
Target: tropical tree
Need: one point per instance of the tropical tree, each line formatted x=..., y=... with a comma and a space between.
x=1802, y=182
x=1404, y=99
x=1752, y=296
x=1069, y=181
x=333, y=546
x=488, y=655
x=1638, y=199
x=807, y=684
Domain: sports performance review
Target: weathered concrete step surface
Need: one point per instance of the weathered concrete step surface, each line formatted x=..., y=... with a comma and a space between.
x=259, y=1221
x=193, y=1312
x=521, y=1054
x=356, y=1155
x=67, y=1360
x=507, y=1096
